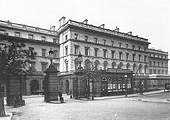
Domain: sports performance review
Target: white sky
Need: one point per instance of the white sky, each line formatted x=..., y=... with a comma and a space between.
x=146, y=18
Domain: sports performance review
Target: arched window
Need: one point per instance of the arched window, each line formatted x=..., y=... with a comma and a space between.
x=96, y=64
x=87, y=64
x=120, y=65
x=105, y=65
x=127, y=66
x=113, y=65
x=134, y=68
x=140, y=68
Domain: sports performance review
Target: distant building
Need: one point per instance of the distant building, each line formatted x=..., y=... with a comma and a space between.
x=158, y=61
x=101, y=48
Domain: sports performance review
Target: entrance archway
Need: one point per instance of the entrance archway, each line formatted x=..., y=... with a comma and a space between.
x=34, y=86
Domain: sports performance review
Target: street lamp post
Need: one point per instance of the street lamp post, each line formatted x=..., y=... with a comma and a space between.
x=125, y=76
x=78, y=72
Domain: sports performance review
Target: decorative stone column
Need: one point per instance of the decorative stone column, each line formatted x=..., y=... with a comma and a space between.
x=51, y=84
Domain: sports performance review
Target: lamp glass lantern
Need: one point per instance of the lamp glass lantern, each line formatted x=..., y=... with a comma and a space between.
x=51, y=55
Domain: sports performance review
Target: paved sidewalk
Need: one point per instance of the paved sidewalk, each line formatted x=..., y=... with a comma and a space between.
x=135, y=97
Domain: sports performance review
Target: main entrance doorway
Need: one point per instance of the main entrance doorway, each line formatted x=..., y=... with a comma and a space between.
x=34, y=86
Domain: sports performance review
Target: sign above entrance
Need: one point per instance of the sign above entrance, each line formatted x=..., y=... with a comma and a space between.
x=118, y=70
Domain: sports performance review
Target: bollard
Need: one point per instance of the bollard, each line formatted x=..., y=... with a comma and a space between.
x=71, y=97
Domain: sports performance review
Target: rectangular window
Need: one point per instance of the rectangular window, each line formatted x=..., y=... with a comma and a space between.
x=154, y=63
x=66, y=37
x=32, y=66
x=127, y=56
x=55, y=40
x=43, y=66
x=120, y=44
x=30, y=36
x=75, y=36
x=96, y=40
x=43, y=38
x=104, y=41
x=66, y=63
x=139, y=58
x=113, y=54
x=86, y=38
x=43, y=52
x=120, y=55
x=2, y=31
x=158, y=71
x=95, y=51
x=144, y=48
x=150, y=71
x=139, y=48
x=86, y=51
x=17, y=34
x=158, y=64
x=162, y=71
x=154, y=71
x=133, y=57
x=112, y=43
x=150, y=62
x=66, y=50
x=145, y=58
x=76, y=48
x=133, y=47
x=56, y=65
x=55, y=54
x=104, y=53
x=127, y=45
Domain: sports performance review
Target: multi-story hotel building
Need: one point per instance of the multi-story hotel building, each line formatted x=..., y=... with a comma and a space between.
x=100, y=47
x=38, y=39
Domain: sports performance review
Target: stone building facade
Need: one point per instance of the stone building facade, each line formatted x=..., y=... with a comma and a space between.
x=158, y=61
x=100, y=47
x=38, y=39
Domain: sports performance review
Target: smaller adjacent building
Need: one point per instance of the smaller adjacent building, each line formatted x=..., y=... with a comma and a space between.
x=158, y=61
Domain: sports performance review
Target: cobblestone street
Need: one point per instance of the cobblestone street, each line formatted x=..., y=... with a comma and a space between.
x=134, y=107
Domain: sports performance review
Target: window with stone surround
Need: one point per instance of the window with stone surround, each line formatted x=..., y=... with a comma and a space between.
x=30, y=36
x=43, y=52
x=96, y=51
x=66, y=50
x=96, y=40
x=76, y=49
x=17, y=34
x=87, y=51
x=113, y=54
x=104, y=53
x=86, y=38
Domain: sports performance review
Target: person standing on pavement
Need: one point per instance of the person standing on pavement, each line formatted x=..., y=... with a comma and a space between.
x=60, y=95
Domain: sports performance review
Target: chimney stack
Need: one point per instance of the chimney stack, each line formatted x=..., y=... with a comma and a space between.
x=52, y=28
x=130, y=33
x=102, y=25
x=117, y=29
x=85, y=21
x=62, y=21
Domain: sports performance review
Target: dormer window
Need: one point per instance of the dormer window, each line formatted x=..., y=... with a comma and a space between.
x=75, y=36
x=43, y=38
x=96, y=40
x=30, y=36
x=17, y=34
x=86, y=38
